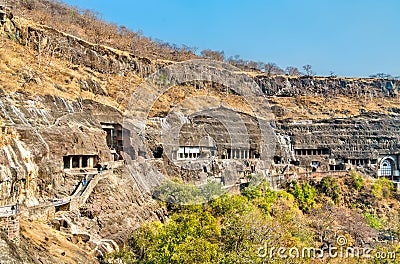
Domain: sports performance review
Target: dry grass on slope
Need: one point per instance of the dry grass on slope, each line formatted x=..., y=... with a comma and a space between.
x=21, y=69
x=180, y=94
x=318, y=107
x=50, y=246
x=87, y=25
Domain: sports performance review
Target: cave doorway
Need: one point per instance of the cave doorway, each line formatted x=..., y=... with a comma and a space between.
x=386, y=168
x=157, y=152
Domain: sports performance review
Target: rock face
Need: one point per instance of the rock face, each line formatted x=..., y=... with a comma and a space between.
x=9, y=253
x=78, y=51
x=44, y=134
x=50, y=128
x=18, y=171
x=207, y=145
x=337, y=144
x=40, y=243
x=115, y=207
x=364, y=138
x=326, y=86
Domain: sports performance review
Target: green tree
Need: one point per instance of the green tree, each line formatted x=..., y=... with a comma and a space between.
x=262, y=196
x=190, y=236
x=176, y=192
x=229, y=204
x=356, y=180
x=329, y=187
x=305, y=195
x=383, y=187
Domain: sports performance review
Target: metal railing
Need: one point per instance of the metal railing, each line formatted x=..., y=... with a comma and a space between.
x=8, y=210
x=61, y=201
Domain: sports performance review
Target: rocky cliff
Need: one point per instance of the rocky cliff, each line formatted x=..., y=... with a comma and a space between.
x=55, y=116
x=61, y=95
x=55, y=96
x=327, y=86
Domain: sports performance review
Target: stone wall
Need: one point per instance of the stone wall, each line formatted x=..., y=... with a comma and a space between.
x=43, y=212
x=10, y=225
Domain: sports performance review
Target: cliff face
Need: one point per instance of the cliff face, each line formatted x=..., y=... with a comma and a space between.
x=64, y=118
x=51, y=128
x=327, y=86
x=57, y=93
x=336, y=123
x=47, y=40
x=19, y=172
x=343, y=143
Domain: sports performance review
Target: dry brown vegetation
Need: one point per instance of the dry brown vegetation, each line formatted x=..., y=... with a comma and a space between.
x=87, y=25
x=177, y=95
x=318, y=107
x=21, y=71
x=45, y=244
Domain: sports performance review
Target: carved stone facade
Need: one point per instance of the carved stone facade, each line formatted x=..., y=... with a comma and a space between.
x=370, y=142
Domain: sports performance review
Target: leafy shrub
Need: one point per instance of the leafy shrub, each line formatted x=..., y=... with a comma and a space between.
x=305, y=195
x=189, y=236
x=329, y=187
x=229, y=205
x=372, y=220
x=356, y=180
x=251, y=192
x=383, y=187
x=267, y=200
x=179, y=193
x=262, y=196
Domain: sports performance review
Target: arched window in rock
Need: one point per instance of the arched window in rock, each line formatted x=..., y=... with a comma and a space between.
x=386, y=168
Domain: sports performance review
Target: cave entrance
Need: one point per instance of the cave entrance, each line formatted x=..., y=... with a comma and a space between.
x=115, y=135
x=80, y=161
x=193, y=152
x=75, y=161
x=386, y=168
x=277, y=160
x=336, y=167
x=157, y=152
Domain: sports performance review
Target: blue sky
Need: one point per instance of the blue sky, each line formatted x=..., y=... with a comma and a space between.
x=348, y=37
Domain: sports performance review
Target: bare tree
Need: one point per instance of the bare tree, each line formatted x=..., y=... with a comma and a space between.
x=308, y=69
x=252, y=65
x=213, y=55
x=293, y=71
x=272, y=68
x=381, y=75
x=261, y=66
